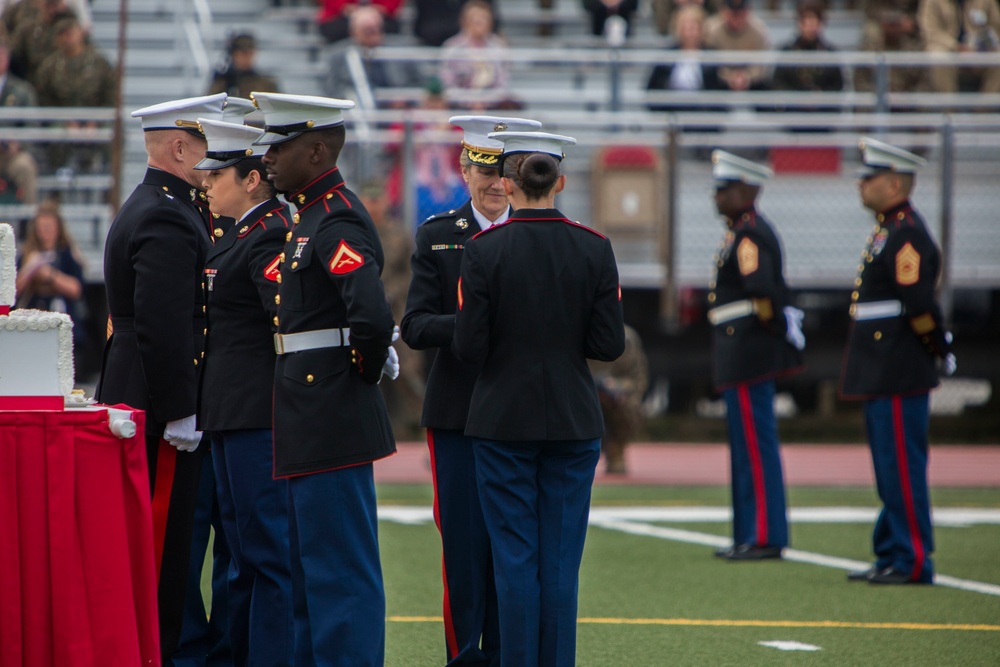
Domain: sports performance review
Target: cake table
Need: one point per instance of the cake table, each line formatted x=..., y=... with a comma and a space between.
x=76, y=539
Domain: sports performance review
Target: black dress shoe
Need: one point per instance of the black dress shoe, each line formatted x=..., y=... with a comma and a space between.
x=891, y=575
x=861, y=575
x=723, y=552
x=751, y=552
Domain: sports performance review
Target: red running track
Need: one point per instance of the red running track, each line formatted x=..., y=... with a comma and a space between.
x=708, y=464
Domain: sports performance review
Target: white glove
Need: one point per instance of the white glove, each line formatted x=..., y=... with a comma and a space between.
x=395, y=334
x=182, y=434
x=793, y=319
x=391, y=366
x=950, y=364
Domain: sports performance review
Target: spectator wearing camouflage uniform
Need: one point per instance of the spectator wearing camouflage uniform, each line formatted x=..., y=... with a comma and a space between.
x=18, y=169
x=238, y=77
x=76, y=75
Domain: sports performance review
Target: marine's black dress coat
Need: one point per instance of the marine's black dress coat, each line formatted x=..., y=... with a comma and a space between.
x=328, y=410
x=896, y=355
x=539, y=295
x=750, y=266
x=429, y=321
x=241, y=285
x=153, y=260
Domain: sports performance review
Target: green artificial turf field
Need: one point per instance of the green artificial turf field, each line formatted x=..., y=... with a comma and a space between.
x=652, y=595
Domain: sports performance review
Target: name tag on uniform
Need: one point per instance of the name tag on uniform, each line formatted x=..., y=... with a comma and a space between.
x=210, y=279
x=447, y=246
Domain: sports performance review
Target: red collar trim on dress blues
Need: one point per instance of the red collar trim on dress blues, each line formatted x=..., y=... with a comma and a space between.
x=317, y=188
x=896, y=214
x=264, y=211
x=747, y=217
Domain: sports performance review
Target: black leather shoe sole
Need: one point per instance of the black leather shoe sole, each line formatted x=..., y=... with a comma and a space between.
x=861, y=575
x=892, y=576
x=751, y=552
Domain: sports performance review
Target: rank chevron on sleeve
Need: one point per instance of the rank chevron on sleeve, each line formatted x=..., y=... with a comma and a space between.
x=345, y=260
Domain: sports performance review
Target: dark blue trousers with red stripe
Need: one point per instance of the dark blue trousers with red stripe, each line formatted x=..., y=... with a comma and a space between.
x=758, y=485
x=897, y=435
x=338, y=597
x=253, y=507
x=471, y=621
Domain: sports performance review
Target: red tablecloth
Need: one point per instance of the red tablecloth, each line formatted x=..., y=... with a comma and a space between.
x=77, y=581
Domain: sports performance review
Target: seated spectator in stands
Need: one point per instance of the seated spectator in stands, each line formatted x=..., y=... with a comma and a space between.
x=473, y=59
x=18, y=169
x=32, y=35
x=601, y=10
x=238, y=76
x=334, y=16
x=14, y=91
x=971, y=26
x=50, y=270
x=665, y=12
x=737, y=28
x=688, y=75
x=437, y=20
x=811, y=78
x=18, y=174
x=76, y=75
x=873, y=10
x=367, y=35
x=896, y=33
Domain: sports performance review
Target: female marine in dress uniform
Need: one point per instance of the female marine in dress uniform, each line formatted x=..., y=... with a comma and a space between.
x=538, y=296
x=241, y=292
x=472, y=632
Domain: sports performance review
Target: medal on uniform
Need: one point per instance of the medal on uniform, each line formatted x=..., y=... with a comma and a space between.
x=878, y=243
x=300, y=245
x=210, y=279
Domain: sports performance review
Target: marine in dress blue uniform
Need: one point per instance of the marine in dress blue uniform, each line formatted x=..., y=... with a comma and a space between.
x=241, y=289
x=472, y=632
x=330, y=423
x=538, y=296
x=205, y=641
x=897, y=341
x=756, y=337
x=154, y=256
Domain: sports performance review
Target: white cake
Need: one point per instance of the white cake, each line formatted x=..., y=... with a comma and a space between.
x=36, y=347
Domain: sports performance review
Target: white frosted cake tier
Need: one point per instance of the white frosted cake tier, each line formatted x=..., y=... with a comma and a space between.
x=36, y=353
x=8, y=264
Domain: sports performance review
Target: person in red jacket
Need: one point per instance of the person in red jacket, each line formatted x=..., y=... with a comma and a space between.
x=333, y=17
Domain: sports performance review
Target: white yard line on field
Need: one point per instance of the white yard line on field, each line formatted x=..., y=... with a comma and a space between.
x=638, y=521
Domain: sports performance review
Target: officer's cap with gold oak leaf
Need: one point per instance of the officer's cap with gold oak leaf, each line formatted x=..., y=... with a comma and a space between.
x=287, y=116
x=878, y=157
x=182, y=114
x=728, y=168
x=483, y=151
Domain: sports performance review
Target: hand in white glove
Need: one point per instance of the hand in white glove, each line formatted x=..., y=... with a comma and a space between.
x=391, y=366
x=950, y=364
x=182, y=434
x=395, y=334
x=793, y=334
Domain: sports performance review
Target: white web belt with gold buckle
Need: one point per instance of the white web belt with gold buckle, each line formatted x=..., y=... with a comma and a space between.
x=311, y=340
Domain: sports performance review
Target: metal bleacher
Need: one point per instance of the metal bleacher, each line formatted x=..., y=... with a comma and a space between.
x=174, y=45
